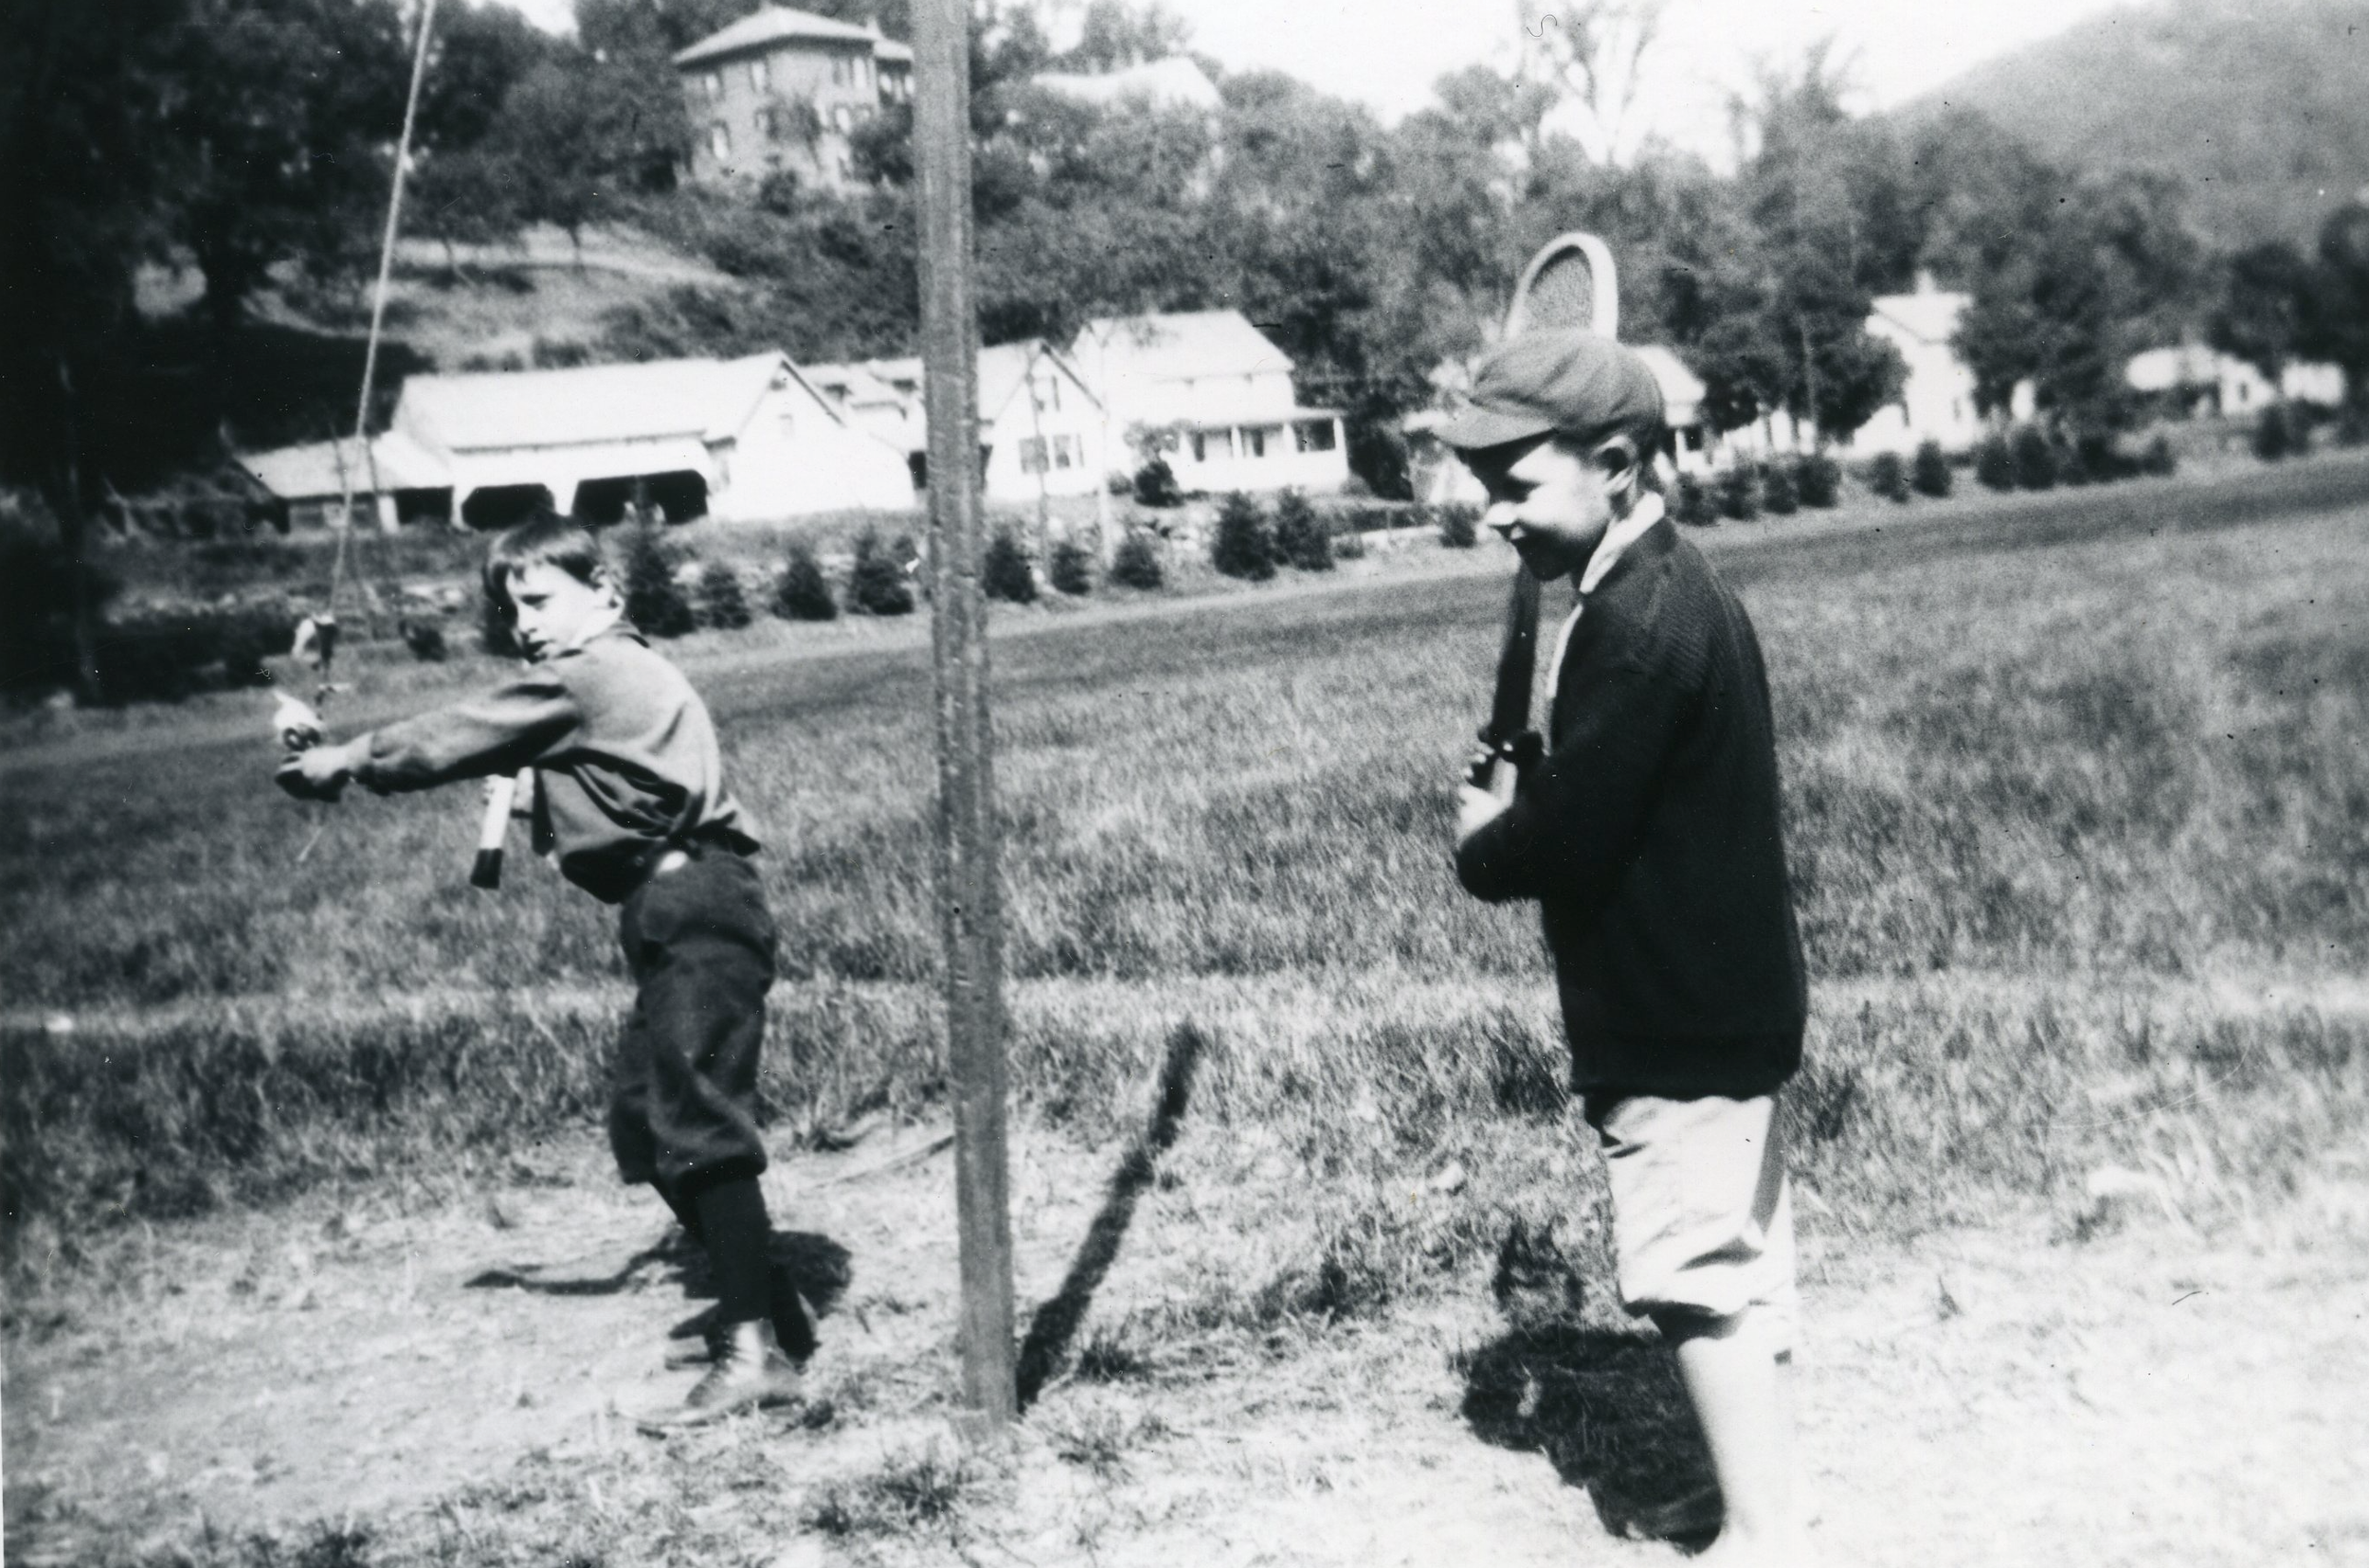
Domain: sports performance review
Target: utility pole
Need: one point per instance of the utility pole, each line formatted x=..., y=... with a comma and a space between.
x=971, y=913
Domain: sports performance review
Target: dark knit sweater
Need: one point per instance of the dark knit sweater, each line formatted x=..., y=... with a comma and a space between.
x=1650, y=837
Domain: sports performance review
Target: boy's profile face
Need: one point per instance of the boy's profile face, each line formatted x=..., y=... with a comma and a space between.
x=554, y=609
x=1552, y=499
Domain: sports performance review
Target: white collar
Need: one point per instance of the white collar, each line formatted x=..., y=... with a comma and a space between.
x=1619, y=537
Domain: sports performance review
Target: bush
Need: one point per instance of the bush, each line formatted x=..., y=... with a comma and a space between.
x=1777, y=492
x=1994, y=463
x=2274, y=434
x=1244, y=545
x=1136, y=563
x=165, y=656
x=2036, y=459
x=803, y=593
x=1072, y=568
x=1349, y=546
x=722, y=604
x=876, y=583
x=2158, y=459
x=654, y=600
x=1156, y=484
x=1738, y=494
x=1459, y=525
x=1888, y=476
x=2095, y=460
x=1300, y=537
x=1820, y=480
x=1928, y=472
x=1692, y=504
x=1005, y=573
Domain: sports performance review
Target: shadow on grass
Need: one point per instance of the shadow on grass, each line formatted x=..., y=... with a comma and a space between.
x=1054, y=1325
x=814, y=1265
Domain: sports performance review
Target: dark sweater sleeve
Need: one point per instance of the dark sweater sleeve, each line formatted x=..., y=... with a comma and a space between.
x=499, y=731
x=1576, y=818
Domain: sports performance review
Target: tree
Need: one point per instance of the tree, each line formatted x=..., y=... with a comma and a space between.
x=2266, y=293
x=1243, y=545
x=1005, y=573
x=1596, y=50
x=1136, y=563
x=2336, y=324
x=1071, y=569
x=804, y=594
x=1115, y=34
x=1929, y=471
x=1300, y=537
x=722, y=604
x=876, y=583
x=654, y=600
x=583, y=130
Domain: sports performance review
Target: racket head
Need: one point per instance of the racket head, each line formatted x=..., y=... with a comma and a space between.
x=1570, y=282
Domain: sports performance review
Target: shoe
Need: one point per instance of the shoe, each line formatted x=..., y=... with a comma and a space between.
x=1698, y=1513
x=745, y=1371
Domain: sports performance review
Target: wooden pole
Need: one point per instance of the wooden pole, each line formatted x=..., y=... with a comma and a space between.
x=970, y=901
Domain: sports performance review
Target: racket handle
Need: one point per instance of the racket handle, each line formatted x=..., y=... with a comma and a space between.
x=486, y=871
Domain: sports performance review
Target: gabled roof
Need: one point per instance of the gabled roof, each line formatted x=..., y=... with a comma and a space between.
x=708, y=399
x=776, y=25
x=313, y=470
x=1178, y=345
x=1004, y=369
x=1930, y=316
x=851, y=386
x=1679, y=386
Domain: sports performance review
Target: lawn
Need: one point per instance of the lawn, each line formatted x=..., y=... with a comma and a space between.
x=2076, y=809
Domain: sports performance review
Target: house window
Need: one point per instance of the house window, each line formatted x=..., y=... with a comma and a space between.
x=1047, y=394
x=1256, y=436
x=842, y=117
x=711, y=84
x=765, y=123
x=1201, y=447
x=759, y=74
x=720, y=142
x=1066, y=453
x=1032, y=455
x=839, y=70
x=1314, y=435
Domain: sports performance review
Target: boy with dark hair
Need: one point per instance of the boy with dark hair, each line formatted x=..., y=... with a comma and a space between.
x=629, y=799
x=1649, y=835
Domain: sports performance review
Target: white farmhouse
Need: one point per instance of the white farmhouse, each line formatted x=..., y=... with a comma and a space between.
x=744, y=439
x=1215, y=395
x=2195, y=379
x=1937, y=401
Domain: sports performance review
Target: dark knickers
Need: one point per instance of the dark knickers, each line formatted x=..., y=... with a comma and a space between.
x=698, y=939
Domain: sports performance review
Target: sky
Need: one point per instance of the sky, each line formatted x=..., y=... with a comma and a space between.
x=1388, y=52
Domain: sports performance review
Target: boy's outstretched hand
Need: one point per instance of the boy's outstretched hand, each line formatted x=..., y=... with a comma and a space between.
x=320, y=773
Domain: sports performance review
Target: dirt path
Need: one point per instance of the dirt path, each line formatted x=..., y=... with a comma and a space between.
x=464, y=1378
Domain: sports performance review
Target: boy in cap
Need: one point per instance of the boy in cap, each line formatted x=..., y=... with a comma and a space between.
x=1649, y=835
x=629, y=799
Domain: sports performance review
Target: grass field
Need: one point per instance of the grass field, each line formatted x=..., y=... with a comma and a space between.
x=2076, y=806
x=2043, y=795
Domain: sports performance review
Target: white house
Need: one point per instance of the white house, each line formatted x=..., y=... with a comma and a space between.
x=1439, y=479
x=743, y=439
x=311, y=480
x=1937, y=401
x=1216, y=396
x=2200, y=379
x=880, y=397
x=1040, y=423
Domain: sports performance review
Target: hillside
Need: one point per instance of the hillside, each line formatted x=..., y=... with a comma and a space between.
x=2257, y=103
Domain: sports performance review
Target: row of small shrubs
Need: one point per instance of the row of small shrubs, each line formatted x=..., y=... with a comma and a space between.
x=1781, y=486
x=1250, y=543
x=1008, y=575
x=2029, y=458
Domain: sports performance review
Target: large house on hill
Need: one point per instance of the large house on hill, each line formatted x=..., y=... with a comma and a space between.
x=1214, y=396
x=743, y=439
x=780, y=90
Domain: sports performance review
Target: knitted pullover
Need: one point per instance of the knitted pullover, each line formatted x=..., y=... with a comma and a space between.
x=1650, y=835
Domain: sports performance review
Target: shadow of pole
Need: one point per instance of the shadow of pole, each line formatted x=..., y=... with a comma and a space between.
x=1054, y=1324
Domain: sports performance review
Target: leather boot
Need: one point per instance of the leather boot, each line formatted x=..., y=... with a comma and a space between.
x=747, y=1372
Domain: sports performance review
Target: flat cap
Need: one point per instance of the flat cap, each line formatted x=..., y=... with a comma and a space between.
x=1566, y=380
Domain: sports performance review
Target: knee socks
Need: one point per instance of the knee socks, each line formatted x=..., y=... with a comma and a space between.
x=732, y=1223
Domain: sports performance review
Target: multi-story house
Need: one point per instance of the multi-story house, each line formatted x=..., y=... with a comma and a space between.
x=1214, y=396
x=782, y=90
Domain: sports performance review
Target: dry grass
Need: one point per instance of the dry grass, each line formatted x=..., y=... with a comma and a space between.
x=2043, y=796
